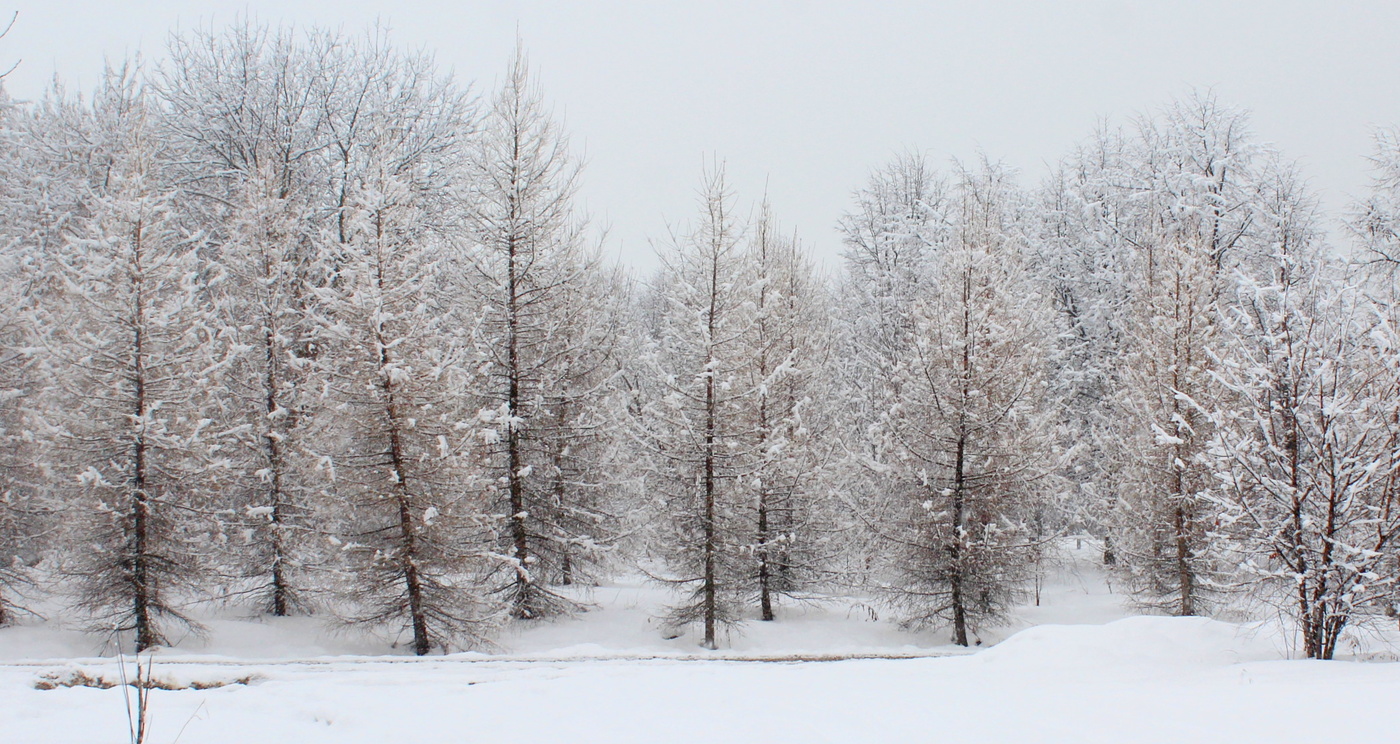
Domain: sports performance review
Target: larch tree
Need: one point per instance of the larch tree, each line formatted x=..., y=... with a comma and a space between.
x=26, y=523
x=1192, y=180
x=403, y=456
x=128, y=344
x=899, y=224
x=968, y=441
x=398, y=431
x=589, y=475
x=542, y=332
x=790, y=475
x=695, y=427
x=1083, y=258
x=244, y=108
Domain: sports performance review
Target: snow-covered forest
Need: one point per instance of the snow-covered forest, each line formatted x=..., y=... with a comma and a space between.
x=296, y=324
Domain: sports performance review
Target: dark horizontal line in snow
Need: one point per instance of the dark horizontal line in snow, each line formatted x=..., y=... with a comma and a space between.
x=504, y=659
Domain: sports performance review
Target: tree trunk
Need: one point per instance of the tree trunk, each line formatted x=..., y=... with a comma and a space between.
x=1184, y=575
x=955, y=573
x=765, y=591
x=408, y=553
x=138, y=545
x=711, y=609
x=280, y=591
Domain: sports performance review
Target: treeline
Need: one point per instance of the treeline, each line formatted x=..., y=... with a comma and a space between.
x=294, y=321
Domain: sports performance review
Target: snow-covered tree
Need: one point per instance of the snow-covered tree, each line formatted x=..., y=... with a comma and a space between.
x=899, y=224
x=695, y=428
x=398, y=431
x=1192, y=179
x=24, y=512
x=1375, y=221
x=968, y=439
x=539, y=310
x=242, y=105
x=1084, y=261
x=791, y=473
x=1308, y=495
x=404, y=449
x=127, y=344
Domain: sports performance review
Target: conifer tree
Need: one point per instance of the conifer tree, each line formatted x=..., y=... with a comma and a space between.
x=695, y=426
x=417, y=537
x=128, y=351
x=791, y=341
x=968, y=441
x=544, y=338
x=242, y=106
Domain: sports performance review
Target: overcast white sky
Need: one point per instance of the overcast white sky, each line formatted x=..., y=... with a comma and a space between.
x=807, y=97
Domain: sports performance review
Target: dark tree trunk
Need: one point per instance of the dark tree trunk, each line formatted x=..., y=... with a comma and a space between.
x=139, y=538
x=281, y=592
x=955, y=557
x=408, y=538
x=711, y=604
x=408, y=547
x=710, y=528
x=1186, y=579
x=765, y=579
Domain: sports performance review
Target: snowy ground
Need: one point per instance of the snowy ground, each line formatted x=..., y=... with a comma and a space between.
x=610, y=677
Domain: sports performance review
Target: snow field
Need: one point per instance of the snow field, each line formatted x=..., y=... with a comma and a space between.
x=1135, y=680
x=609, y=676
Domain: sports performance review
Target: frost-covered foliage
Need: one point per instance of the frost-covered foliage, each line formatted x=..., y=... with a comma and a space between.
x=293, y=321
x=129, y=350
x=1376, y=219
x=545, y=333
x=964, y=449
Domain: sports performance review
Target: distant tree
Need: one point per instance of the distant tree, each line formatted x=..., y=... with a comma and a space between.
x=1084, y=261
x=1375, y=220
x=791, y=471
x=901, y=221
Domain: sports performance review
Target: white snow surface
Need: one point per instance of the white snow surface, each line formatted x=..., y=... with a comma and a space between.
x=1074, y=669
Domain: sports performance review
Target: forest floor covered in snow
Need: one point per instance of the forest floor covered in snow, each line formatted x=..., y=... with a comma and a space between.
x=1076, y=668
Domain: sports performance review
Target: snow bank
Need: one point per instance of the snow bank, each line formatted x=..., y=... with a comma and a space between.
x=1133, y=641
